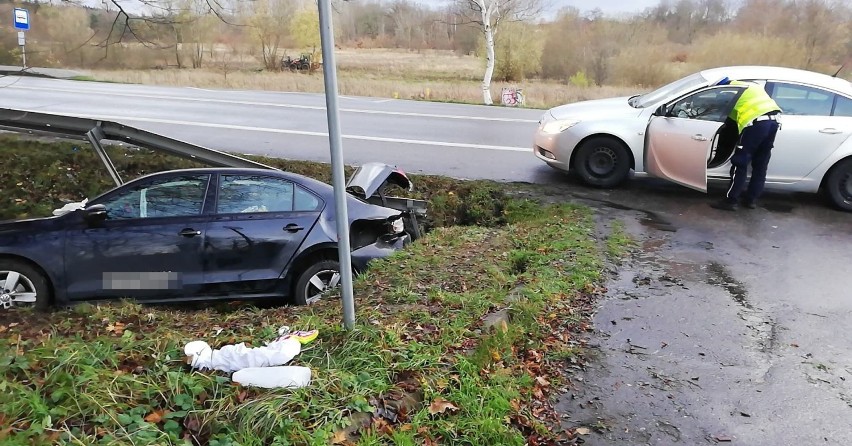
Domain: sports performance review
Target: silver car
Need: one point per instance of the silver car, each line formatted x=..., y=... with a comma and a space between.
x=678, y=133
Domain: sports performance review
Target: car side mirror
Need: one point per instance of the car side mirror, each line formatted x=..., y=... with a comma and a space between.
x=95, y=214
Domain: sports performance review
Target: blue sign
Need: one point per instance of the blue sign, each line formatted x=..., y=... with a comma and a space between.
x=22, y=19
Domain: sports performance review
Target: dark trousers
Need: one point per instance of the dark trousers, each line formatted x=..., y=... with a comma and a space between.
x=756, y=142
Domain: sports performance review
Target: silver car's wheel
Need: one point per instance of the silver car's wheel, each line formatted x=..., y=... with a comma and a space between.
x=839, y=185
x=21, y=286
x=316, y=281
x=602, y=161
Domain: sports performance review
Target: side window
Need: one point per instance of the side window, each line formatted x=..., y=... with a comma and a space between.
x=843, y=107
x=170, y=197
x=305, y=201
x=801, y=100
x=707, y=105
x=254, y=193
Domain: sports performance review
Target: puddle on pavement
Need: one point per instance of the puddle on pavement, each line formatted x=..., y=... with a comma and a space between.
x=765, y=329
x=651, y=245
x=655, y=221
x=718, y=275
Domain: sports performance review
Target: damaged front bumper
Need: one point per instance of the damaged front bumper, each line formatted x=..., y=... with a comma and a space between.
x=383, y=247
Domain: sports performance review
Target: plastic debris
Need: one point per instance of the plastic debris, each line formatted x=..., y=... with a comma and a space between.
x=232, y=358
x=71, y=207
x=274, y=377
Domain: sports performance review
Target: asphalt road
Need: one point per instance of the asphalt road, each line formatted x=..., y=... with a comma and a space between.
x=464, y=141
x=724, y=327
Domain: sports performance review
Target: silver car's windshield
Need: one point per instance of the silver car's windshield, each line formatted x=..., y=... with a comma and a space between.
x=664, y=92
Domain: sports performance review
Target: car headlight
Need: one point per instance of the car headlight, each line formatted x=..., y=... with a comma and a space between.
x=558, y=126
x=398, y=226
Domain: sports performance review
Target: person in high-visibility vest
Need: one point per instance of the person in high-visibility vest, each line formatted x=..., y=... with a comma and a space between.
x=756, y=117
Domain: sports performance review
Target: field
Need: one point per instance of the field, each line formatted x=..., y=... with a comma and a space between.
x=426, y=75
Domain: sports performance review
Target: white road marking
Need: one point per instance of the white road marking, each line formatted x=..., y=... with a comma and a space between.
x=268, y=104
x=301, y=132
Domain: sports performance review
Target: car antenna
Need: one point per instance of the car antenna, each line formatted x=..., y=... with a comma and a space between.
x=839, y=69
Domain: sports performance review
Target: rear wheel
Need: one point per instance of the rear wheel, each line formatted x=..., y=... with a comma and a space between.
x=838, y=185
x=316, y=281
x=22, y=285
x=602, y=162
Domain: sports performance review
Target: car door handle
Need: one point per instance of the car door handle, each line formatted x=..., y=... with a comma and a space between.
x=292, y=227
x=189, y=232
x=830, y=131
x=699, y=137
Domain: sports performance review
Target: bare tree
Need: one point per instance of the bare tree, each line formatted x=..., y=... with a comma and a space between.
x=487, y=15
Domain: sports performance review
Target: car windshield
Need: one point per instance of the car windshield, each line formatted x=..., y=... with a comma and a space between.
x=664, y=92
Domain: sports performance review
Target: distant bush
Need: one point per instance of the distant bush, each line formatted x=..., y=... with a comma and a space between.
x=579, y=79
x=728, y=48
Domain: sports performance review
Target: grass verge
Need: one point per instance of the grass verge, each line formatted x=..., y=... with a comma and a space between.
x=421, y=367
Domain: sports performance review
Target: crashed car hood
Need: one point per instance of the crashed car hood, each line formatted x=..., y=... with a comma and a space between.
x=370, y=177
x=598, y=108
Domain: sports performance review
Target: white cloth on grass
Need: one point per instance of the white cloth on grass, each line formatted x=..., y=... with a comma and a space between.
x=231, y=358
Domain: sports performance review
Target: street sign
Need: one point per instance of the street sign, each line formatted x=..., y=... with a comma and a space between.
x=22, y=19
x=21, y=38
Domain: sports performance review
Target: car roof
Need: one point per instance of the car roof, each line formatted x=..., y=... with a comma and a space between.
x=779, y=73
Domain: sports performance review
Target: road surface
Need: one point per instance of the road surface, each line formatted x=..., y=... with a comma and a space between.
x=464, y=141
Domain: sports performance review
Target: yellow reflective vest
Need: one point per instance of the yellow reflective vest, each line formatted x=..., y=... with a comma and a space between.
x=754, y=102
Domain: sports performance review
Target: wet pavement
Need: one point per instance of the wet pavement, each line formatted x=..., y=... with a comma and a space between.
x=723, y=327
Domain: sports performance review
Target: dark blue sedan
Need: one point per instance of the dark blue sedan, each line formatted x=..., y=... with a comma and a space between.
x=211, y=233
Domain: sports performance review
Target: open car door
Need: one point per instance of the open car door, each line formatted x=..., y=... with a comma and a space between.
x=681, y=135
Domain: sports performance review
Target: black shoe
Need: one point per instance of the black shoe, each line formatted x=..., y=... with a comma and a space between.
x=751, y=204
x=724, y=205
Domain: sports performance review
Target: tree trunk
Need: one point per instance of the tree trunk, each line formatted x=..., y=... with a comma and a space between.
x=489, y=55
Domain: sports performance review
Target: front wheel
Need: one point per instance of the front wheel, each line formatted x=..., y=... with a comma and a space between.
x=21, y=285
x=839, y=185
x=315, y=281
x=602, y=162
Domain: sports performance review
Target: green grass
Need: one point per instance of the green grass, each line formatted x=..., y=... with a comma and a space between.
x=115, y=374
x=618, y=243
x=79, y=377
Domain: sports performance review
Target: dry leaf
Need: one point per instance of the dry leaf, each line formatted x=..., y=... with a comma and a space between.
x=440, y=405
x=155, y=417
x=583, y=431
x=339, y=437
x=542, y=382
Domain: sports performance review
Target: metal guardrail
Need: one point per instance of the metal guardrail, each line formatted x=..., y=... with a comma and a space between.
x=96, y=130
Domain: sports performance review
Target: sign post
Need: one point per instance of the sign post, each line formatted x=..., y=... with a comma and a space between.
x=329, y=71
x=22, y=23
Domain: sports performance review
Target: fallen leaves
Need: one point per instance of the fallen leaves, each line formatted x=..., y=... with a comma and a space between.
x=156, y=416
x=116, y=328
x=440, y=405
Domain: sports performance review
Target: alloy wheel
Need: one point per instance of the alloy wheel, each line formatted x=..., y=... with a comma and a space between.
x=16, y=289
x=320, y=283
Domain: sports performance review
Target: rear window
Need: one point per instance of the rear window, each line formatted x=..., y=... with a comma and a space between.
x=802, y=100
x=843, y=106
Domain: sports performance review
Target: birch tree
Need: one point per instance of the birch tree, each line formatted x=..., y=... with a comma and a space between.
x=487, y=15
